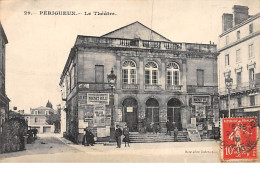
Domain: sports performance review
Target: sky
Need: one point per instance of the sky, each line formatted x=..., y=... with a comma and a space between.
x=39, y=45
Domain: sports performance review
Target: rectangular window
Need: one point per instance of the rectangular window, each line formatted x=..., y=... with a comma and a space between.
x=200, y=77
x=176, y=77
x=252, y=100
x=251, y=29
x=251, y=75
x=239, y=101
x=227, y=40
x=99, y=73
x=154, y=77
x=125, y=76
x=238, y=79
x=238, y=57
x=133, y=76
x=238, y=35
x=227, y=59
x=72, y=77
x=250, y=51
x=147, y=77
x=169, y=77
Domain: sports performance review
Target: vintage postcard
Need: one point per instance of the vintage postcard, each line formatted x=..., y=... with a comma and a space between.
x=129, y=81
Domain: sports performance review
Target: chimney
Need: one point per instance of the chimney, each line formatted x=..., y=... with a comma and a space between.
x=240, y=14
x=227, y=21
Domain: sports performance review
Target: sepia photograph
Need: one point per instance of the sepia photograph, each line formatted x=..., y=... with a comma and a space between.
x=129, y=81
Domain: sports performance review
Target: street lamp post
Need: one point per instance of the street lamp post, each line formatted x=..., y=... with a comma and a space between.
x=112, y=81
x=229, y=83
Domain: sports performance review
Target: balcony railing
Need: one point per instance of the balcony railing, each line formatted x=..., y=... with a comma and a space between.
x=144, y=44
x=130, y=86
x=152, y=87
x=239, y=87
x=152, y=44
x=173, y=87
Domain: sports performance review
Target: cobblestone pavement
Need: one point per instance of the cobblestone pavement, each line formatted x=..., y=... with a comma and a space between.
x=54, y=148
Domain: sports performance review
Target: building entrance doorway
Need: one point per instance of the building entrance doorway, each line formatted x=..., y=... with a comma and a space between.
x=152, y=111
x=174, y=112
x=130, y=107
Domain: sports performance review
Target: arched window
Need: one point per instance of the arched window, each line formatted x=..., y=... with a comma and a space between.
x=151, y=73
x=129, y=72
x=173, y=74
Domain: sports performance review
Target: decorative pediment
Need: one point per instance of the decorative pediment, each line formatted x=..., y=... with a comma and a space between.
x=238, y=69
x=251, y=65
x=136, y=30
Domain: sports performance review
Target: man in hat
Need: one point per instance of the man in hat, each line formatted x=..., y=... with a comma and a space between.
x=118, y=134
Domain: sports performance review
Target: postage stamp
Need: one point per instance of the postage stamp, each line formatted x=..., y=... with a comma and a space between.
x=239, y=139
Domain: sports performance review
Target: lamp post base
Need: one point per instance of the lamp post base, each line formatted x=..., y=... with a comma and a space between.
x=112, y=135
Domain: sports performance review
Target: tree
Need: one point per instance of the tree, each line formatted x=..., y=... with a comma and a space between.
x=54, y=119
x=49, y=104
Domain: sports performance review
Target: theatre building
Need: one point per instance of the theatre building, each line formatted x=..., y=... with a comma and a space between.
x=239, y=59
x=156, y=80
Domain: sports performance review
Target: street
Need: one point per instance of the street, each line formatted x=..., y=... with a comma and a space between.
x=54, y=148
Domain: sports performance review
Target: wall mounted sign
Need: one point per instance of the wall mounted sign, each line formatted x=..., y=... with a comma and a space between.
x=129, y=109
x=98, y=98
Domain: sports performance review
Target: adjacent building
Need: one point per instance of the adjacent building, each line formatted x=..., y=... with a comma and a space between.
x=37, y=119
x=4, y=100
x=240, y=58
x=157, y=80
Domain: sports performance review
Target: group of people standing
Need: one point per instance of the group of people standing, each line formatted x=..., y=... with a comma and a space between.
x=88, y=138
x=170, y=127
x=119, y=133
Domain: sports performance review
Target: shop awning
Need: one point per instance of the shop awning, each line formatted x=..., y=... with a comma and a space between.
x=253, y=109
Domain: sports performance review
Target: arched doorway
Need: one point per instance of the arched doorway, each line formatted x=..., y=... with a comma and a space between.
x=130, y=106
x=152, y=111
x=174, y=112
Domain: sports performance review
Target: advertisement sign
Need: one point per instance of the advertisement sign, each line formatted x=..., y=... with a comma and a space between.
x=119, y=114
x=99, y=115
x=201, y=100
x=97, y=98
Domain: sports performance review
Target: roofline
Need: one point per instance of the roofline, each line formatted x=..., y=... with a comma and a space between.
x=3, y=32
x=241, y=24
x=67, y=63
x=139, y=23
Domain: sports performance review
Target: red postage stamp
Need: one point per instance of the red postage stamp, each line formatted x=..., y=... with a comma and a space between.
x=239, y=136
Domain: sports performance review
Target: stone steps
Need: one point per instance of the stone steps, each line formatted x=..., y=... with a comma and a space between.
x=136, y=137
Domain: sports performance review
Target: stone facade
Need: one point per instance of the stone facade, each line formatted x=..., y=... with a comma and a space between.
x=4, y=100
x=37, y=119
x=239, y=58
x=156, y=81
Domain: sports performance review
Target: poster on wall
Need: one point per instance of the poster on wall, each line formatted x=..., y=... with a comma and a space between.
x=97, y=98
x=99, y=115
x=119, y=115
x=101, y=132
x=193, y=121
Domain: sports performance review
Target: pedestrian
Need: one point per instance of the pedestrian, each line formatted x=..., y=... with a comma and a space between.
x=175, y=134
x=144, y=125
x=90, y=138
x=126, y=135
x=118, y=134
x=168, y=125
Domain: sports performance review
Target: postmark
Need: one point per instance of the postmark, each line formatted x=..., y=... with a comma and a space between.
x=239, y=139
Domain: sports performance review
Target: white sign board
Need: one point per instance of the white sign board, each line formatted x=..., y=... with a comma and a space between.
x=129, y=109
x=193, y=121
x=98, y=98
x=83, y=124
x=101, y=132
